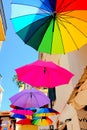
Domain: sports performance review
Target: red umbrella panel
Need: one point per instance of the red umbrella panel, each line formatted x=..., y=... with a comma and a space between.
x=24, y=122
x=16, y=107
x=44, y=74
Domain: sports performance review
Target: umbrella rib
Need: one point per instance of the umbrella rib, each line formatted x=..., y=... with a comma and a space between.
x=61, y=4
x=45, y=30
x=26, y=102
x=66, y=14
x=51, y=4
x=69, y=34
x=35, y=22
x=36, y=99
x=52, y=38
x=33, y=6
x=30, y=14
x=45, y=4
x=74, y=25
x=61, y=37
x=66, y=5
x=16, y=99
x=49, y=78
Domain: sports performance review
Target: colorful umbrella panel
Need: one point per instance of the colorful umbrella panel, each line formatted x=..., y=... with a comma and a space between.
x=51, y=26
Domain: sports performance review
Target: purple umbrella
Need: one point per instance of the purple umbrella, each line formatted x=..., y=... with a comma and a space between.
x=30, y=98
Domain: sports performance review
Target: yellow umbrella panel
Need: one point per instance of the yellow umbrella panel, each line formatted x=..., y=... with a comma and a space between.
x=71, y=29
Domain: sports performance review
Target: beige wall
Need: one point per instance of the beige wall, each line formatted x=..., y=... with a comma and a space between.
x=75, y=61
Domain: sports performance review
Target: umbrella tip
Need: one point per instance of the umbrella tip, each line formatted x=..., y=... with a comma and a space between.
x=43, y=117
x=44, y=70
x=31, y=94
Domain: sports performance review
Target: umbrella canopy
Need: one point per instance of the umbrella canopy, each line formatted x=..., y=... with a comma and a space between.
x=30, y=98
x=22, y=112
x=24, y=122
x=17, y=108
x=20, y=116
x=45, y=74
x=42, y=121
x=51, y=26
x=45, y=112
x=81, y=97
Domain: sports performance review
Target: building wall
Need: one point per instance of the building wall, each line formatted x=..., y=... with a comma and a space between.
x=75, y=62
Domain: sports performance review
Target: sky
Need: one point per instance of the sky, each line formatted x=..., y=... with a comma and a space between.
x=13, y=54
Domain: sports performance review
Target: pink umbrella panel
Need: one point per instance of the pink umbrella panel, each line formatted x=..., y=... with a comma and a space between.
x=22, y=112
x=43, y=74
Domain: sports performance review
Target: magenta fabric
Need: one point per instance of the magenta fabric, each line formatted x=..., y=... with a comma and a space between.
x=43, y=74
x=23, y=112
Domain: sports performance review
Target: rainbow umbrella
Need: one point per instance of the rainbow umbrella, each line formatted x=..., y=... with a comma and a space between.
x=51, y=26
x=42, y=121
x=45, y=112
x=44, y=74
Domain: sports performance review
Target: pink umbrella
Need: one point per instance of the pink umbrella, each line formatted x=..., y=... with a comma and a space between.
x=45, y=74
x=22, y=112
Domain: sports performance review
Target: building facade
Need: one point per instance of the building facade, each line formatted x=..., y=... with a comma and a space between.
x=74, y=62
